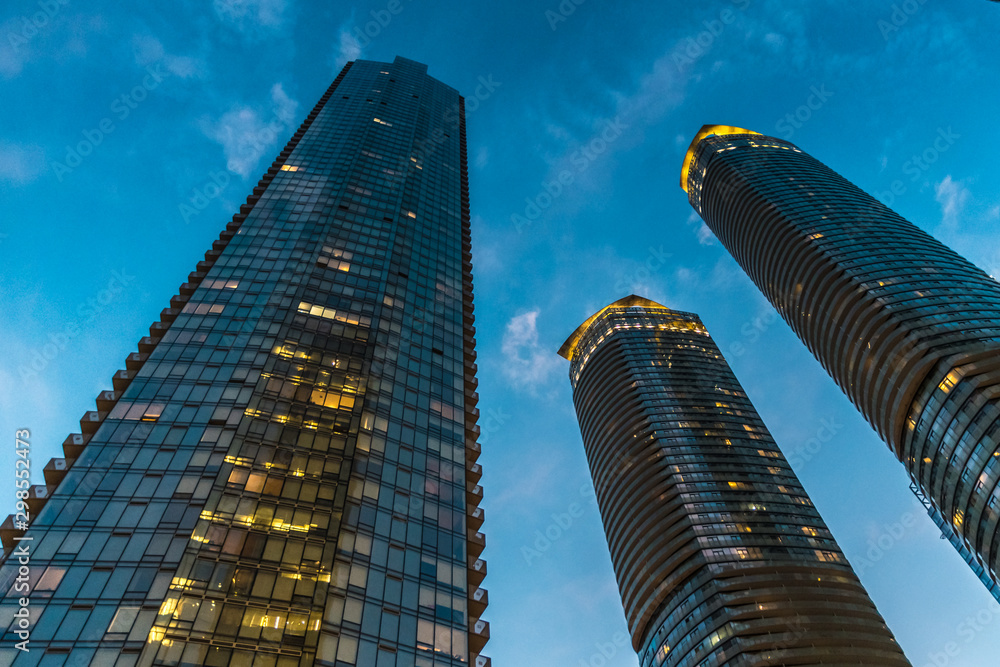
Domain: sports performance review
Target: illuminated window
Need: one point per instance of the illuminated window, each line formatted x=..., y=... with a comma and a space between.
x=288, y=167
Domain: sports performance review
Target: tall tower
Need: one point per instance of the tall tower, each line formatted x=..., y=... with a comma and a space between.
x=909, y=329
x=720, y=556
x=285, y=472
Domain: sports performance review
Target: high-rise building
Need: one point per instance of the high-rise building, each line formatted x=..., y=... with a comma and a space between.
x=285, y=471
x=720, y=556
x=909, y=329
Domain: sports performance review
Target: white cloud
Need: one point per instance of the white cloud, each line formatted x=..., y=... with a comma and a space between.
x=20, y=164
x=952, y=195
x=705, y=235
x=526, y=363
x=246, y=133
x=14, y=48
x=482, y=157
x=48, y=35
x=347, y=48
x=659, y=91
x=254, y=18
x=149, y=49
x=775, y=41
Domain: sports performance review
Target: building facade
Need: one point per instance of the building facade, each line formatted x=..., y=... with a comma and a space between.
x=285, y=471
x=720, y=556
x=909, y=329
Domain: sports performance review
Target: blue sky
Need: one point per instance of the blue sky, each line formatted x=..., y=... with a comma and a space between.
x=179, y=110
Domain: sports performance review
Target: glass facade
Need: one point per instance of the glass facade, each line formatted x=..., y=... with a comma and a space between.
x=285, y=472
x=909, y=329
x=720, y=556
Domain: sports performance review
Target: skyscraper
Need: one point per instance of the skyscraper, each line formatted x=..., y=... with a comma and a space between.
x=720, y=556
x=909, y=329
x=285, y=472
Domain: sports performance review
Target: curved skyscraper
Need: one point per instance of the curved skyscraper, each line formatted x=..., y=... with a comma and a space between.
x=284, y=474
x=720, y=556
x=909, y=329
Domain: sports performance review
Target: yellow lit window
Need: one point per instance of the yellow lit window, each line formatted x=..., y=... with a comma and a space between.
x=949, y=382
x=288, y=167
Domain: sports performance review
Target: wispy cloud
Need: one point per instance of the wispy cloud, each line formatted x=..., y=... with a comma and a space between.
x=705, y=235
x=526, y=364
x=347, y=47
x=246, y=133
x=255, y=18
x=148, y=50
x=20, y=164
x=952, y=195
x=660, y=91
x=14, y=48
x=50, y=35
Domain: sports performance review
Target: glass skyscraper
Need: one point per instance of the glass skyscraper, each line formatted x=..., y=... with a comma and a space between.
x=909, y=329
x=285, y=471
x=720, y=556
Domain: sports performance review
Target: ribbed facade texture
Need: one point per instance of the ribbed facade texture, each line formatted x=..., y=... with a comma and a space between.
x=909, y=329
x=720, y=556
x=285, y=472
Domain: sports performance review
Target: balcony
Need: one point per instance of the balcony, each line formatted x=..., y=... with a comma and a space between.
x=476, y=571
x=91, y=421
x=134, y=361
x=8, y=533
x=477, y=543
x=472, y=451
x=147, y=344
x=122, y=379
x=478, y=601
x=479, y=634
x=473, y=472
x=73, y=445
x=475, y=517
x=38, y=495
x=157, y=329
x=106, y=400
x=55, y=470
x=473, y=494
